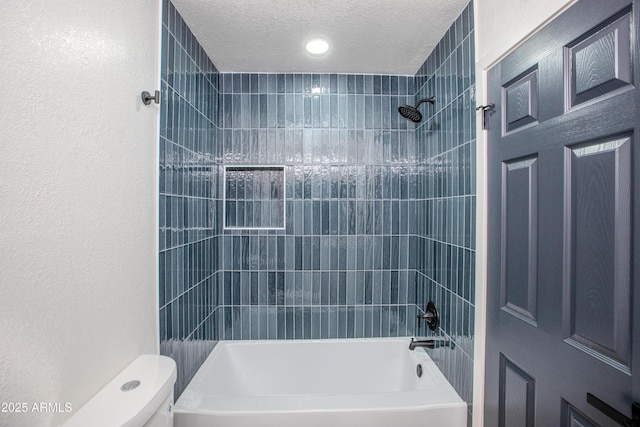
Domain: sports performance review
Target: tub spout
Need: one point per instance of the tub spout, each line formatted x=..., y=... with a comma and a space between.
x=421, y=343
x=428, y=343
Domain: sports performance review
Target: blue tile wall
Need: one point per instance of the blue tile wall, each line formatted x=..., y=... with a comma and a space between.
x=443, y=232
x=340, y=268
x=379, y=214
x=188, y=224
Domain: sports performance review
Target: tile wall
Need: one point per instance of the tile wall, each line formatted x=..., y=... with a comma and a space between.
x=340, y=268
x=378, y=212
x=444, y=228
x=188, y=216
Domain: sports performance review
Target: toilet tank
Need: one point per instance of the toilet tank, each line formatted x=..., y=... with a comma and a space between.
x=141, y=395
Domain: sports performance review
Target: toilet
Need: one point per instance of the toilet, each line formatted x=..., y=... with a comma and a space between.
x=141, y=395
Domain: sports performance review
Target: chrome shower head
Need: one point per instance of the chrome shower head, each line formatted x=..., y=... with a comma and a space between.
x=410, y=112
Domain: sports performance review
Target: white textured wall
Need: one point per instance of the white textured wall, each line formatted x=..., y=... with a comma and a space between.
x=77, y=197
x=503, y=24
x=500, y=26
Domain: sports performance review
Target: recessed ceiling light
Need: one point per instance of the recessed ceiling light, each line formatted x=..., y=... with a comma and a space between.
x=317, y=46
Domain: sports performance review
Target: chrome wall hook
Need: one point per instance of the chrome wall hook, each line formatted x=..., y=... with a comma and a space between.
x=147, y=98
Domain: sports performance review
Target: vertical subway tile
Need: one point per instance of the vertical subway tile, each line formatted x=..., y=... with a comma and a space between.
x=183, y=117
x=356, y=256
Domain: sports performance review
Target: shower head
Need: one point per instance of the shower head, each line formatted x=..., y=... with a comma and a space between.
x=411, y=113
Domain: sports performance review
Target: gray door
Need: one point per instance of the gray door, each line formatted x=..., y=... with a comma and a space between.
x=563, y=307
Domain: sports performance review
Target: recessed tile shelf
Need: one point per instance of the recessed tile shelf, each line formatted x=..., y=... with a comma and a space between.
x=254, y=197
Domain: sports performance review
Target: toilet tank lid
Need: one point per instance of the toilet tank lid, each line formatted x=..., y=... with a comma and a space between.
x=113, y=406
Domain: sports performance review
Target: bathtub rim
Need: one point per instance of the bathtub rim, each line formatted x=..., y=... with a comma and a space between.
x=413, y=400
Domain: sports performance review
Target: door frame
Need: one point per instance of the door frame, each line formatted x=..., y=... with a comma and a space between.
x=494, y=49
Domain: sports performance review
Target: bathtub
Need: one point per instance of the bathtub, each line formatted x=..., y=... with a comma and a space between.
x=319, y=383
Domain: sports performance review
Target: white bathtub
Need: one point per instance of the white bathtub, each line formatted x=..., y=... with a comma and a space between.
x=362, y=382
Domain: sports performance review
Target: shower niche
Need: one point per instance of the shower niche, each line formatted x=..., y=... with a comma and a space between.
x=254, y=197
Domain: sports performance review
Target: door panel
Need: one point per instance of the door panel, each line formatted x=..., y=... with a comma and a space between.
x=517, y=396
x=520, y=100
x=519, y=281
x=571, y=417
x=597, y=248
x=600, y=63
x=562, y=269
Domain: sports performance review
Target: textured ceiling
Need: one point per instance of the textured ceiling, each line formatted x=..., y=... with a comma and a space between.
x=369, y=37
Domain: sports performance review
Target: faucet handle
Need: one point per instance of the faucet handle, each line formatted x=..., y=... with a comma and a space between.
x=427, y=316
x=431, y=316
